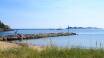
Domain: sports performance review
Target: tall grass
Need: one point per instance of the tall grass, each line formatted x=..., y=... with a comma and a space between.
x=52, y=52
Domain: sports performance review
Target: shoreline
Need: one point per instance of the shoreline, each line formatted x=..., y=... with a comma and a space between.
x=7, y=42
x=48, y=52
x=34, y=36
x=4, y=45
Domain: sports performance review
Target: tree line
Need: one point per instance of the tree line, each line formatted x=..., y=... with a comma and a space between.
x=4, y=27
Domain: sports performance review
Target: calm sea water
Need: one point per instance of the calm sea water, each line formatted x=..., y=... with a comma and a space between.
x=86, y=38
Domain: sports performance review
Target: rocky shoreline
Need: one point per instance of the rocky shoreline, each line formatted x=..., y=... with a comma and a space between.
x=33, y=36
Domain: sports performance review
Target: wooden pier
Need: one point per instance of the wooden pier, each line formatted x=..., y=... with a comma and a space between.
x=33, y=36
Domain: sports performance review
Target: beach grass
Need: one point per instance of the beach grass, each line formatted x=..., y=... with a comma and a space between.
x=52, y=52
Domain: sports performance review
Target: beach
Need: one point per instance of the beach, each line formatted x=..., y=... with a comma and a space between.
x=6, y=45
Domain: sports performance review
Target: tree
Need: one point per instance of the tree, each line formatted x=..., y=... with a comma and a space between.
x=4, y=27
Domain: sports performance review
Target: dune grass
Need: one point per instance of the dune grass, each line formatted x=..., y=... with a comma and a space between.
x=52, y=52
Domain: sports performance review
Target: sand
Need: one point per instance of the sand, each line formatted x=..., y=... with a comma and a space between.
x=7, y=45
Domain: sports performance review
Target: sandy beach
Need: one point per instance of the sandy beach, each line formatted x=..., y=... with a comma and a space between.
x=7, y=45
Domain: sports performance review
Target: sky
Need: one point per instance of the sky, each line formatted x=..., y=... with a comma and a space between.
x=52, y=13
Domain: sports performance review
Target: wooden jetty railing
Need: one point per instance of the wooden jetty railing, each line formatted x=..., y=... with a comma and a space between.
x=33, y=36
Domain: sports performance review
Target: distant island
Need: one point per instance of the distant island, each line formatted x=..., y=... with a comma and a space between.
x=4, y=27
x=82, y=28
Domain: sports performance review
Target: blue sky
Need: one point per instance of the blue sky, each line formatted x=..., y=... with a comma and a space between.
x=52, y=13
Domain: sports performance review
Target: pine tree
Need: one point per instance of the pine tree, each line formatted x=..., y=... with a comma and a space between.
x=4, y=27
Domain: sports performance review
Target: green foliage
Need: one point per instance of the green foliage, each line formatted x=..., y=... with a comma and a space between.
x=52, y=52
x=3, y=27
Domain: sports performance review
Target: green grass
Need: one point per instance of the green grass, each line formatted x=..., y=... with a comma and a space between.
x=53, y=52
